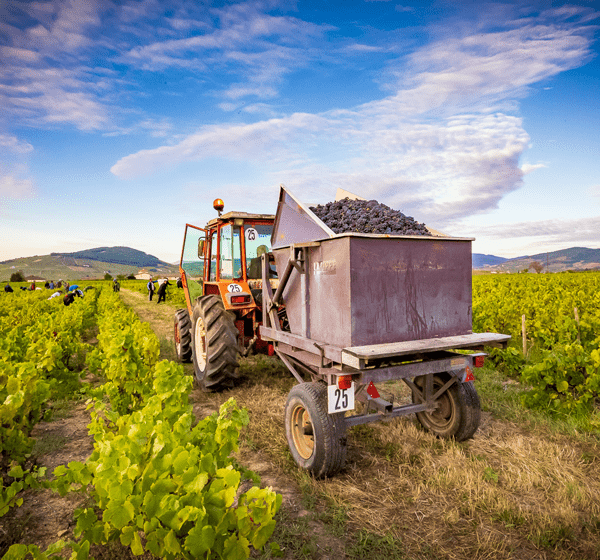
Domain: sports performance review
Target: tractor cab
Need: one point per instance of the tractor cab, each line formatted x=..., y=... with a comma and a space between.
x=224, y=257
x=221, y=263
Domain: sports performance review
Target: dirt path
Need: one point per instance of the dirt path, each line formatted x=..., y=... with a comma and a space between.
x=159, y=315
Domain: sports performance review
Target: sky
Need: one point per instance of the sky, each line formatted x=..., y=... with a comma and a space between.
x=121, y=121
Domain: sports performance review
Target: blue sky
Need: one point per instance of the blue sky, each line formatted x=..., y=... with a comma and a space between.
x=122, y=121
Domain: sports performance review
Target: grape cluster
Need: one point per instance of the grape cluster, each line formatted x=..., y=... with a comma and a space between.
x=367, y=216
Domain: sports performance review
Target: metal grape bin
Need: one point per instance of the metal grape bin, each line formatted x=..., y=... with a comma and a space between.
x=352, y=310
x=362, y=289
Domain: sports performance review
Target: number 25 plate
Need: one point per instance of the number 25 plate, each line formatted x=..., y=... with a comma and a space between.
x=339, y=400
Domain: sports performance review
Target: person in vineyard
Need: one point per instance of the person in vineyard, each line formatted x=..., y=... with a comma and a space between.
x=8, y=288
x=70, y=297
x=150, y=287
x=162, y=291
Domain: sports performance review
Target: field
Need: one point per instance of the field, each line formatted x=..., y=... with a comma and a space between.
x=527, y=486
x=68, y=268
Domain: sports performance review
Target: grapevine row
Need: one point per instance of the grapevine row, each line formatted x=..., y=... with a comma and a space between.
x=554, y=321
x=158, y=481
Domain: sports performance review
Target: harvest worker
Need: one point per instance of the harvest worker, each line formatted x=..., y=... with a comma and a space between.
x=162, y=291
x=70, y=297
x=8, y=288
x=150, y=286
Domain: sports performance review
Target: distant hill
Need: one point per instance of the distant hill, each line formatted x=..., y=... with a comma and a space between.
x=117, y=255
x=480, y=260
x=88, y=265
x=574, y=258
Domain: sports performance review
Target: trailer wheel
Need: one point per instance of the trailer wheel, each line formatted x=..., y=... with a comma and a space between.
x=182, y=335
x=215, y=350
x=316, y=439
x=458, y=412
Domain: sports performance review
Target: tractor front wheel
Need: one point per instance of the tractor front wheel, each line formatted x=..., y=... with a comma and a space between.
x=316, y=439
x=183, y=335
x=458, y=411
x=215, y=348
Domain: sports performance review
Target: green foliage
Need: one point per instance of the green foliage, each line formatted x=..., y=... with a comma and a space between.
x=154, y=471
x=38, y=339
x=107, y=276
x=126, y=352
x=17, y=277
x=9, y=495
x=562, y=312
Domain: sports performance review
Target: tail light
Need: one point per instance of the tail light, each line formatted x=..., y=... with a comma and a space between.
x=344, y=382
x=240, y=299
x=479, y=361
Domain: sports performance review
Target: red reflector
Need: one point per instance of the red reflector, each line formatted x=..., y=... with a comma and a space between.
x=468, y=375
x=344, y=382
x=270, y=350
x=372, y=391
x=479, y=360
x=240, y=299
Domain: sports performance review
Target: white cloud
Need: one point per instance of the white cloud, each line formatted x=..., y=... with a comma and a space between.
x=594, y=191
x=441, y=146
x=580, y=230
x=13, y=144
x=527, y=168
x=13, y=188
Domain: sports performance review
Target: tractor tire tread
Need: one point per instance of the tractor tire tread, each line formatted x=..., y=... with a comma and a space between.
x=222, y=347
x=183, y=325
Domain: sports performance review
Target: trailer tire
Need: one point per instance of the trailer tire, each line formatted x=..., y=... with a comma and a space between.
x=317, y=440
x=182, y=335
x=215, y=349
x=459, y=412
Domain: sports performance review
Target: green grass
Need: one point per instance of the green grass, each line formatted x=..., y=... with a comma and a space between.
x=375, y=547
x=502, y=397
x=49, y=444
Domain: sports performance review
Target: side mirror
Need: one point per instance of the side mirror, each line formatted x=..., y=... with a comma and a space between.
x=201, y=248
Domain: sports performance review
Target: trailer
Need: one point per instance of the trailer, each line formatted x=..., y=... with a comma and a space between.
x=352, y=310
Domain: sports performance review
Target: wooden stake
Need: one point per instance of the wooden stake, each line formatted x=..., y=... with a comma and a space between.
x=524, y=331
x=577, y=321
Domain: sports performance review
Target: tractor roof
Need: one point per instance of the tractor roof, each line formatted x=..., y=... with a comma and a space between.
x=244, y=215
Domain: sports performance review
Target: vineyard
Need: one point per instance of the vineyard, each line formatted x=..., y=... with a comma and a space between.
x=174, y=295
x=166, y=483
x=154, y=470
x=554, y=321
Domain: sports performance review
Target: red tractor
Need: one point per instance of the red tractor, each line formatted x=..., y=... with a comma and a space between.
x=221, y=274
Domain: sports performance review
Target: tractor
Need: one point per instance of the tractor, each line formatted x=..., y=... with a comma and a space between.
x=221, y=274
x=347, y=311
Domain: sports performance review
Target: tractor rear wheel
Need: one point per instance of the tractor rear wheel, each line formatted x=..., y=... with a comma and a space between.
x=458, y=411
x=183, y=335
x=214, y=344
x=316, y=439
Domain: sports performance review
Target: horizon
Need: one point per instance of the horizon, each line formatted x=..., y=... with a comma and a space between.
x=123, y=121
x=177, y=262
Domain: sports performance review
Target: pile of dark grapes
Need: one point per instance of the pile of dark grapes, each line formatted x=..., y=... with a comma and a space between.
x=367, y=216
